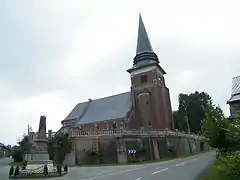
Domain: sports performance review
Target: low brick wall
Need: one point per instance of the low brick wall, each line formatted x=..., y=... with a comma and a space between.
x=113, y=148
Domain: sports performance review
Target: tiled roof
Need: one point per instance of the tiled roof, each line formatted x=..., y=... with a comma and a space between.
x=235, y=96
x=236, y=85
x=112, y=107
x=77, y=111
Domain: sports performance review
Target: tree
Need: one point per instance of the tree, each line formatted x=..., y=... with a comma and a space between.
x=191, y=109
x=179, y=122
x=17, y=154
x=25, y=144
x=23, y=147
x=58, y=147
x=233, y=134
x=215, y=127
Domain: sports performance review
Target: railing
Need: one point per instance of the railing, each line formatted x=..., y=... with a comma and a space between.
x=79, y=133
x=118, y=133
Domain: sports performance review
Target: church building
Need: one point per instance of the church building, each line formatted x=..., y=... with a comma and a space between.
x=146, y=105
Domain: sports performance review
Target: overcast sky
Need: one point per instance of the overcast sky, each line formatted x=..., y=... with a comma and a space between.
x=54, y=53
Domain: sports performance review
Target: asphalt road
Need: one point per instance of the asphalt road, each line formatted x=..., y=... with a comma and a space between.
x=4, y=168
x=178, y=169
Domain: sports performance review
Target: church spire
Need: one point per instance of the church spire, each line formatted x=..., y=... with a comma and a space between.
x=143, y=42
x=144, y=54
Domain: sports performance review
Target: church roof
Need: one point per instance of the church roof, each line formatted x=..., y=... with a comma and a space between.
x=107, y=108
x=235, y=96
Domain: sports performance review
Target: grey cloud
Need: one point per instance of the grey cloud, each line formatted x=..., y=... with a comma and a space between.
x=215, y=67
x=32, y=56
x=34, y=42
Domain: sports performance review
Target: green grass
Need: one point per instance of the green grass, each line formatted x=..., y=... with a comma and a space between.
x=225, y=167
x=142, y=162
x=16, y=164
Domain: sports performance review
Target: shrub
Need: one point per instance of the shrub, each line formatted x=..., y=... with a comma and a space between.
x=58, y=147
x=96, y=157
x=226, y=167
x=202, y=146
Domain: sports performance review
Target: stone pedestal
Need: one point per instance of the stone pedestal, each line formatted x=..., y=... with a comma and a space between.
x=37, y=160
x=38, y=156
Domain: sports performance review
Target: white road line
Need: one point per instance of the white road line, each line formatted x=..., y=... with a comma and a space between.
x=139, y=168
x=180, y=164
x=191, y=160
x=139, y=178
x=156, y=172
x=131, y=169
x=159, y=167
x=118, y=173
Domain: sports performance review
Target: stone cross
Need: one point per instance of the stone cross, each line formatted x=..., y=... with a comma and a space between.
x=42, y=128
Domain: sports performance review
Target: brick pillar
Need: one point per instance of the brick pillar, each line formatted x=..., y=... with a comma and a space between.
x=155, y=148
x=121, y=151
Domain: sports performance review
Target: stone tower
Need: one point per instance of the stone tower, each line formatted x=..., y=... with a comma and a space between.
x=150, y=96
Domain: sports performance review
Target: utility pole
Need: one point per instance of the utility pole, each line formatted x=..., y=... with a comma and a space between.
x=188, y=126
x=186, y=116
x=149, y=132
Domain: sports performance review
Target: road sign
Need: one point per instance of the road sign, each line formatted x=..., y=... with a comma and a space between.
x=132, y=151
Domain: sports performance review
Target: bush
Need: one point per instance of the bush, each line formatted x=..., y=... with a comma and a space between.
x=226, y=167
x=96, y=157
x=202, y=146
x=17, y=154
x=58, y=147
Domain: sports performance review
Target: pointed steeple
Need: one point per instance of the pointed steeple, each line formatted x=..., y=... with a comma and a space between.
x=143, y=42
x=144, y=53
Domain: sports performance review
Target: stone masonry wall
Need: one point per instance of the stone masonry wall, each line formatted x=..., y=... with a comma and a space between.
x=115, y=149
x=235, y=109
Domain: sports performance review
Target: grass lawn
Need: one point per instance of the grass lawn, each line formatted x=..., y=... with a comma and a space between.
x=143, y=162
x=16, y=164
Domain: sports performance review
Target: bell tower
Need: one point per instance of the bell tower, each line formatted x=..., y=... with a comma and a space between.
x=150, y=96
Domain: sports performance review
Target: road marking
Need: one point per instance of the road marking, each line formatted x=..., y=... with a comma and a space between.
x=159, y=167
x=118, y=173
x=156, y=172
x=141, y=167
x=131, y=169
x=181, y=164
x=139, y=178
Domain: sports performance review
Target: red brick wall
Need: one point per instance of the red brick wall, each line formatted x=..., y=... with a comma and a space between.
x=159, y=107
